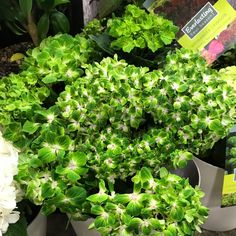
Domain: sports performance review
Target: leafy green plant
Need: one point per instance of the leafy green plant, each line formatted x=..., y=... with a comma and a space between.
x=86, y=125
x=229, y=199
x=164, y=206
x=35, y=17
x=138, y=29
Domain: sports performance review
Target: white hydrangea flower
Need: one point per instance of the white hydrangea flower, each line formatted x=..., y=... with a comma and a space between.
x=8, y=168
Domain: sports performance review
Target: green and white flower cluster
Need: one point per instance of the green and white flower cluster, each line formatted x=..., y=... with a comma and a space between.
x=164, y=206
x=8, y=191
x=82, y=123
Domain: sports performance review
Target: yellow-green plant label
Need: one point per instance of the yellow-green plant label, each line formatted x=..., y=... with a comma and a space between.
x=208, y=26
x=209, y=22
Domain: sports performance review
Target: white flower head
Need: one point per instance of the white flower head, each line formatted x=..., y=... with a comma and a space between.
x=8, y=168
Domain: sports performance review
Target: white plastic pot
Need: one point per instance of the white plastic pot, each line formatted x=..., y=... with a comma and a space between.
x=211, y=182
x=38, y=227
x=81, y=228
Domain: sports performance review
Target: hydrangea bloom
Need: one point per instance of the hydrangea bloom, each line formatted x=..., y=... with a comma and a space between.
x=8, y=168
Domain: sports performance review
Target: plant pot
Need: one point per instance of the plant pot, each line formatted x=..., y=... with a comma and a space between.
x=211, y=183
x=81, y=228
x=38, y=227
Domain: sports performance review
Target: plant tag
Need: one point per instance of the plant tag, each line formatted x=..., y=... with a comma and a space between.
x=207, y=26
x=229, y=185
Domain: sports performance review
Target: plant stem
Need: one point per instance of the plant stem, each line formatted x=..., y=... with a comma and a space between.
x=32, y=29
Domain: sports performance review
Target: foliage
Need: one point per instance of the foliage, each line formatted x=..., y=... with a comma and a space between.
x=35, y=17
x=229, y=75
x=45, y=74
x=165, y=206
x=83, y=121
x=138, y=29
x=228, y=199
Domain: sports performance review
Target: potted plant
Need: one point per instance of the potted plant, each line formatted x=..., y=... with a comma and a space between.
x=23, y=25
x=97, y=134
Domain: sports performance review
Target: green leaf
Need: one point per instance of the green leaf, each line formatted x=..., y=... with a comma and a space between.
x=145, y=175
x=188, y=192
x=60, y=23
x=97, y=198
x=163, y=172
x=100, y=222
x=79, y=157
x=134, y=208
x=46, y=5
x=47, y=191
x=46, y=155
x=76, y=195
x=43, y=26
x=48, y=79
x=30, y=127
x=177, y=213
x=217, y=127
x=26, y=7
x=73, y=176
x=97, y=210
x=63, y=141
x=48, y=207
x=60, y=2
x=182, y=88
x=122, y=198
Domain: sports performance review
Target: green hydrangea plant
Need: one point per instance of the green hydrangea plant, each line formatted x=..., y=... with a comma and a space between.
x=164, y=206
x=138, y=29
x=86, y=126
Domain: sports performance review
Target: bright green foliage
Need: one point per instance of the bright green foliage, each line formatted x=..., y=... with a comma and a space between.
x=188, y=101
x=60, y=58
x=229, y=200
x=229, y=75
x=139, y=29
x=108, y=122
x=82, y=124
x=232, y=141
x=57, y=61
x=165, y=206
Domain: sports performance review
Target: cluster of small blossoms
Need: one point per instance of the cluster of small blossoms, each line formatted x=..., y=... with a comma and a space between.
x=8, y=168
x=155, y=206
